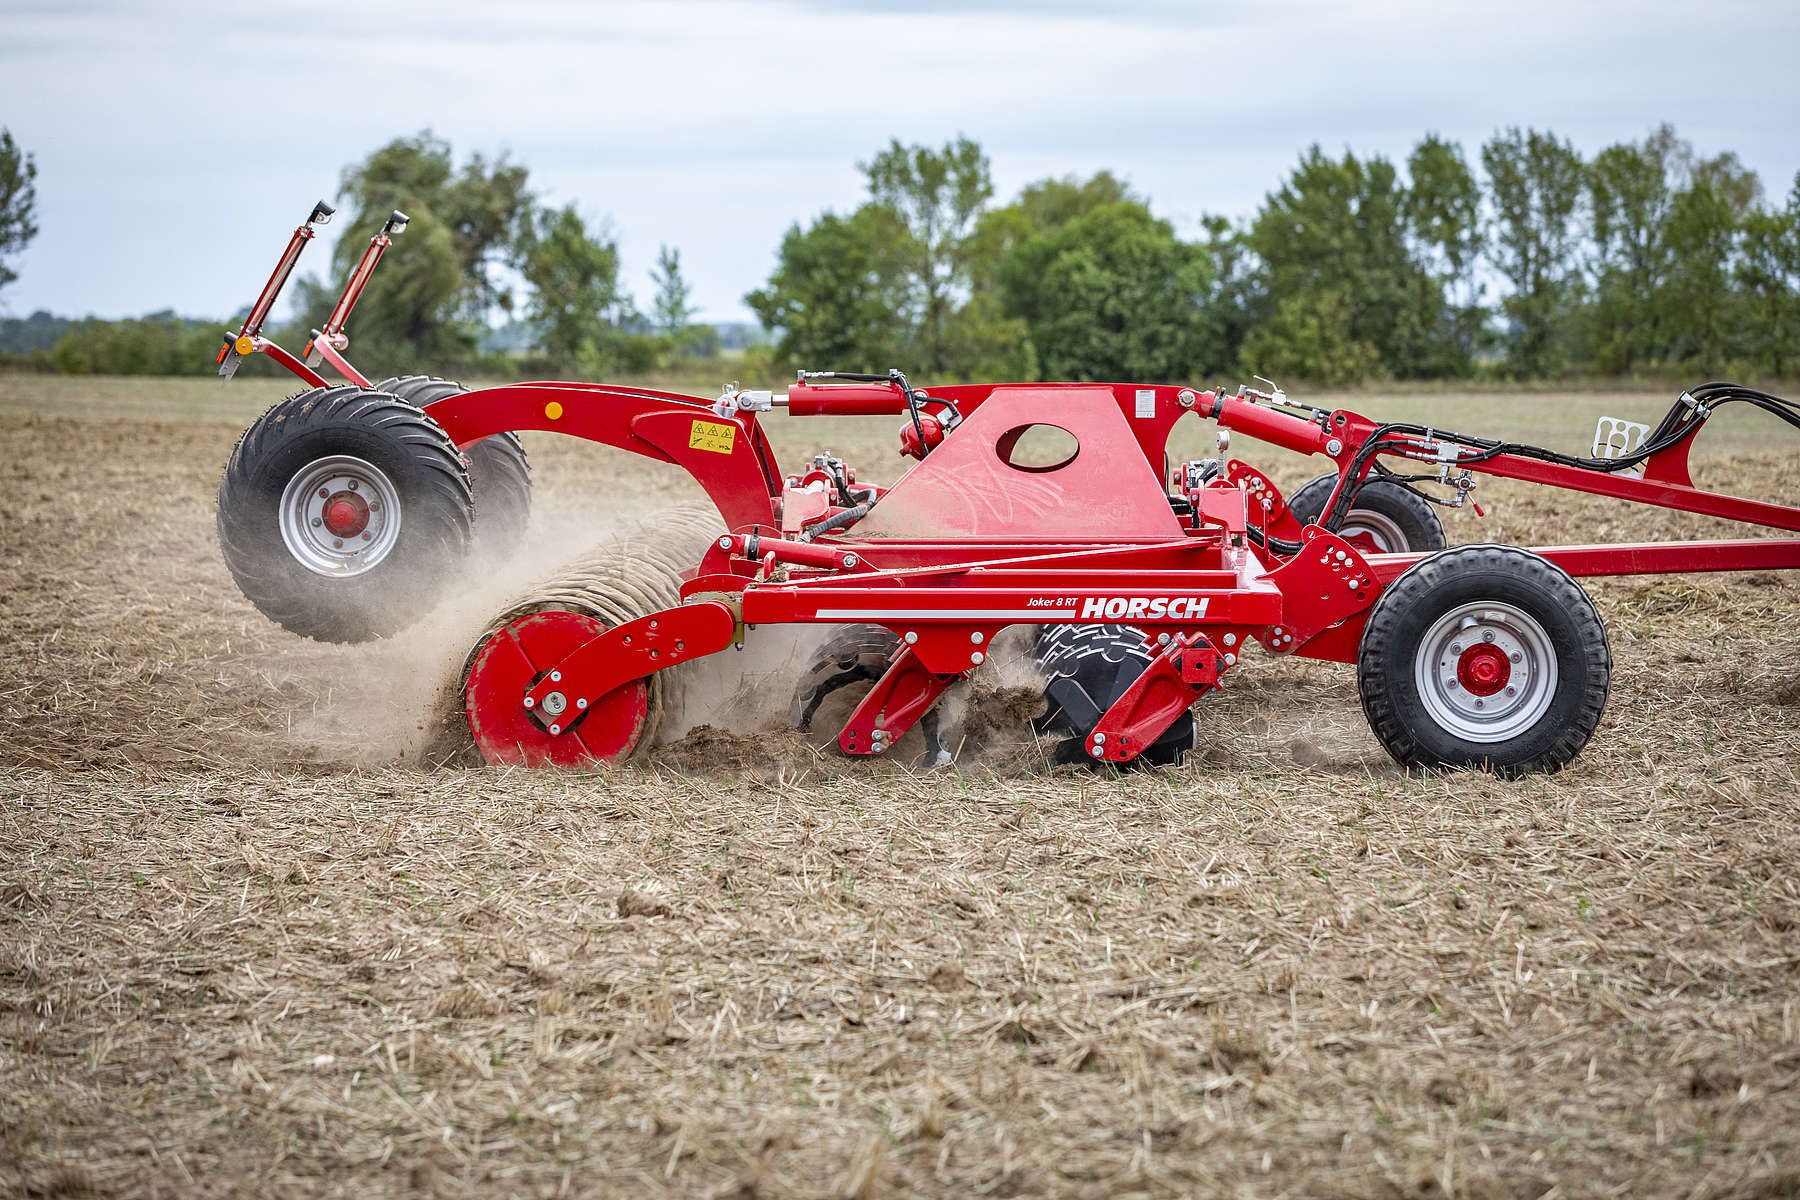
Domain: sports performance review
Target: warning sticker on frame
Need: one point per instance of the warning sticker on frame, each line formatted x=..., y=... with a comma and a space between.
x=710, y=435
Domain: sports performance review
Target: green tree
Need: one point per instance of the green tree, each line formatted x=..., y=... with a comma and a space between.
x=1631, y=188
x=1443, y=214
x=469, y=223
x=671, y=306
x=837, y=290
x=1535, y=183
x=1768, y=276
x=1114, y=294
x=937, y=195
x=1312, y=336
x=1339, y=226
x=18, y=202
x=575, y=300
x=1702, y=229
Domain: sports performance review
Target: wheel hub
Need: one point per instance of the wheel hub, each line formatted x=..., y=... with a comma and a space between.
x=340, y=516
x=511, y=661
x=346, y=514
x=1483, y=669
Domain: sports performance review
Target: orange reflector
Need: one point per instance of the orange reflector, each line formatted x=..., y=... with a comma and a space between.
x=553, y=410
x=246, y=346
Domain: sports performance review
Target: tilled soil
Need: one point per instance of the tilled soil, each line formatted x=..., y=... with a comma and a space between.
x=248, y=945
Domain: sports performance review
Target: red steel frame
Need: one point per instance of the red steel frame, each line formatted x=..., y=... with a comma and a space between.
x=947, y=576
x=965, y=543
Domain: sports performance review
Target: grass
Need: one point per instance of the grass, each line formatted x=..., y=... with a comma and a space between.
x=246, y=946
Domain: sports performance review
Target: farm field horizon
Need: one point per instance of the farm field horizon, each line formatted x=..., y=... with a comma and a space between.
x=250, y=941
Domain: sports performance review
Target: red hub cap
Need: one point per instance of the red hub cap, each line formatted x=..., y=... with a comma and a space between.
x=511, y=662
x=346, y=514
x=1483, y=669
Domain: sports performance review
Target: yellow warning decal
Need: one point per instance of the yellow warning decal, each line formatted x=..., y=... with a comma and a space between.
x=710, y=435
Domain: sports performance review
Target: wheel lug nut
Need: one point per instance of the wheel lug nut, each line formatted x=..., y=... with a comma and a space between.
x=1517, y=657
x=324, y=493
x=353, y=485
x=365, y=535
x=317, y=522
x=1512, y=691
x=338, y=543
x=1456, y=647
x=1488, y=636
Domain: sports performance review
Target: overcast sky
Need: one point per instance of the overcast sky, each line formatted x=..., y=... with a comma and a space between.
x=178, y=143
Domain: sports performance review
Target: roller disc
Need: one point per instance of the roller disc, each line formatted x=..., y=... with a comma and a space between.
x=510, y=661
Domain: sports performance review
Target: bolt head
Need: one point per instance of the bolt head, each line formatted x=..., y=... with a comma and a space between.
x=556, y=677
x=317, y=522
x=849, y=560
x=352, y=485
x=1456, y=647
x=1481, y=704
x=976, y=638
x=581, y=703
x=912, y=638
x=1487, y=636
x=1231, y=639
x=1098, y=751
x=1517, y=657
x=337, y=543
x=1185, y=397
x=1230, y=660
x=977, y=658
x=1334, y=447
x=1512, y=691
x=530, y=703
x=324, y=492
x=555, y=728
x=724, y=543
x=1099, y=739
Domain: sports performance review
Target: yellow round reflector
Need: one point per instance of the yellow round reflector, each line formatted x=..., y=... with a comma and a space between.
x=553, y=410
x=246, y=345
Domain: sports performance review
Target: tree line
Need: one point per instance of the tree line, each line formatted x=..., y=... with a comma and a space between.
x=1524, y=260
x=1530, y=262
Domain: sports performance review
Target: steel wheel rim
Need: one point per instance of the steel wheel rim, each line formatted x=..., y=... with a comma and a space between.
x=1379, y=528
x=340, y=516
x=1459, y=649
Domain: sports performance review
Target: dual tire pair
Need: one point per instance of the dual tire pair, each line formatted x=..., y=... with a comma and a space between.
x=345, y=512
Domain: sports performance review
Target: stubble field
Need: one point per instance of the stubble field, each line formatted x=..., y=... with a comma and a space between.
x=248, y=945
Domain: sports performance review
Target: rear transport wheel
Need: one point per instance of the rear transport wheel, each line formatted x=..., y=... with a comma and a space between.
x=498, y=471
x=1484, y=656
x=1383, y=517
x=344, y=513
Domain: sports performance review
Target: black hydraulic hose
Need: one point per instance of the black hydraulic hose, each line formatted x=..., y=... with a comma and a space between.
x=1682, y=421
x=837, y=521
x=1268, y=541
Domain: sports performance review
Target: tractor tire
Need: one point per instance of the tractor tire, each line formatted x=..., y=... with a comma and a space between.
x=498, y=471
x=1484, y=656
x=1088, y=667
x=344, y=513
x=1389, y=518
